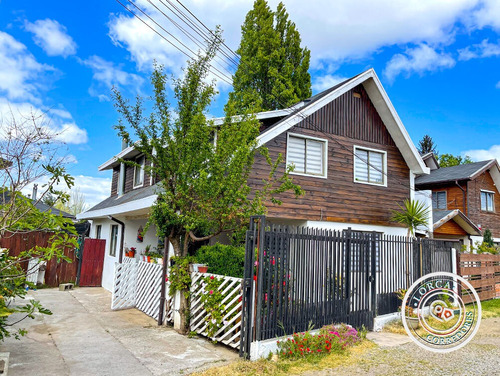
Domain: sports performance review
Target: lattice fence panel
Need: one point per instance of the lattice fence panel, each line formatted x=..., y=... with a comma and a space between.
x=124, y=288
x=129, y=260
x=169, y=308
x=148, y=291
x=230, y=288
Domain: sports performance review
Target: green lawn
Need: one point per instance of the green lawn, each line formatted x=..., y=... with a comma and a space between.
x=490, y=308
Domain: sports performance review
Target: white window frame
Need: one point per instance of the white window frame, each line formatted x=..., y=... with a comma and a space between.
x=141, y=172
x=325, y=155
x=384, y=164
x=113, y=254
x=445, y=200
x=492, y=201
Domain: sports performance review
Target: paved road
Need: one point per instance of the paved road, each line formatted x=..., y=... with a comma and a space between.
x=84, y=337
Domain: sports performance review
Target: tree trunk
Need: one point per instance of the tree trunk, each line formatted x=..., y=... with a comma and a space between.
x=181, y=251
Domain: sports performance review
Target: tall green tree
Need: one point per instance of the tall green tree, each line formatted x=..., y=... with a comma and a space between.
x=427, y=145
x=449, y=160
x=203, y=170
x=273, y=69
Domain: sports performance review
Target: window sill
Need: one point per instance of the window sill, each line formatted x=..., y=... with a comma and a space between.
x=368, y=183
x=309, y=175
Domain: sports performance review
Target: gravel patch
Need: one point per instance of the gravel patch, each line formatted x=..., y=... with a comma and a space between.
x=480, y=357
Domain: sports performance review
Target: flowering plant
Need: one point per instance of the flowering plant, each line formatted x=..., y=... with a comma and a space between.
x=212, y=303
x=329, y=339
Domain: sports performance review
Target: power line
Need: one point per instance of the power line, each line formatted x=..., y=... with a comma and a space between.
x=164, y=38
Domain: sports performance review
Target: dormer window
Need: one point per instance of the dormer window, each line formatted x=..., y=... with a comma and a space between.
x=139, y=172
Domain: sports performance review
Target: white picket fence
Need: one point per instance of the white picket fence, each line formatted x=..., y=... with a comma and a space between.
x=137, y=284
x=230, y=288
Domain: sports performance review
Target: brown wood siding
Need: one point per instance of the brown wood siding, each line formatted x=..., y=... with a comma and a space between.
x=350, y=117
x=454, y=196
x=338, y=198
x=129, y=179
x=450, y=228
x=487, y=220
x=114, y=181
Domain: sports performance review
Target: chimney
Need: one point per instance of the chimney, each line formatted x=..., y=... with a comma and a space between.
x=124, y=144
x=35, y=189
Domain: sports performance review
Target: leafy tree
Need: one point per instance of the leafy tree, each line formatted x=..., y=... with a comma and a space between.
x=75, y=204
x=488, y=238
x=203, y=170
x=449, y=160
x=28, y=151
x=426, y=145
x=273, y=68
x=49, y=199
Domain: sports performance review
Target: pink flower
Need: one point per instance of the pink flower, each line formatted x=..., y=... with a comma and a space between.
x=256, y=263
x=211, y=277
x=211, y=292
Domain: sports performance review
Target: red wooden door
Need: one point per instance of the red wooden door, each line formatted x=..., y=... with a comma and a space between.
x=92, y=262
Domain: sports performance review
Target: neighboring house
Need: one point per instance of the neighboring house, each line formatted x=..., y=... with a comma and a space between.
x=352, y=156
x=466, y=200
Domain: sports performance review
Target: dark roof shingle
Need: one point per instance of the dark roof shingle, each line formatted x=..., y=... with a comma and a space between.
x=445, y=174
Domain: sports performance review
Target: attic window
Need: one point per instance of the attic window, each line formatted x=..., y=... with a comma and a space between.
x=139, y=172
x=487, y=201
x=356, y=95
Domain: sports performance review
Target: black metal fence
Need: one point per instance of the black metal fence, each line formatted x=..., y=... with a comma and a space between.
x=296, y=277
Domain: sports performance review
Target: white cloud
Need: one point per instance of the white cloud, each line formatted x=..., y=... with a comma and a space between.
x=487, y=14
x=419, y=60
x=20, y=73
x=52, y=37
x=106, y=75
x=63, y=128
x=94, y=189
x=482, y=50
x=326, y=82
x=484, y=154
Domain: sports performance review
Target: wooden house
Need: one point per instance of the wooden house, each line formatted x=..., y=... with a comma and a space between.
x=466, y=200
x=352, y=156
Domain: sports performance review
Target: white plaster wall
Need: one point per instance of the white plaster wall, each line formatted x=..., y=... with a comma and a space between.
x=425, y=197
x=108, y=270
x=130, y=240
x=387, y=230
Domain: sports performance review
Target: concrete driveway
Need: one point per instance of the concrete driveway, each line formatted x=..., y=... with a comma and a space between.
x=84, y=337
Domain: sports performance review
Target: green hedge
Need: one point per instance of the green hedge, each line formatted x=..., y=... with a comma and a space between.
x=222, y=259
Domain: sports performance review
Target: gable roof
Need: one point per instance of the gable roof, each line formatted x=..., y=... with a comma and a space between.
x=381, y=102
x=440, y=217
x=461, y=172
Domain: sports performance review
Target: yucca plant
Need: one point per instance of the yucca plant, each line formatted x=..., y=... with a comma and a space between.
x=412, y=214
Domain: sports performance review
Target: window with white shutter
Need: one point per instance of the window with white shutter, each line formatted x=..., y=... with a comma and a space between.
x=370, y=166
x=307, y=154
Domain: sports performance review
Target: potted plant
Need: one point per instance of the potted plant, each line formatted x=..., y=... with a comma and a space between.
x=202, y=268
x=131, y=253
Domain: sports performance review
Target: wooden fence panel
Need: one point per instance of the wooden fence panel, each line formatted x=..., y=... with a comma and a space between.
x=92, y=262
x=231, y=309
x=483, y=273
x=55, y=273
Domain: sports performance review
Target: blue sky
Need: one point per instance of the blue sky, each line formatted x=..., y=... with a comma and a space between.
x=437, y=59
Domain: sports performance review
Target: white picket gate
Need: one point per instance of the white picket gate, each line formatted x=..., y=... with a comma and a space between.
x=229, y=332
x=137, y=284
x=33, y=269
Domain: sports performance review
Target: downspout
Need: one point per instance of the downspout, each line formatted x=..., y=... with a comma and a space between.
x=463, y=194
x=121, y=177
x=122, y=237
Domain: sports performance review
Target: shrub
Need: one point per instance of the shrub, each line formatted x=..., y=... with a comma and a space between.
x=331, y=338
x=222, y=259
